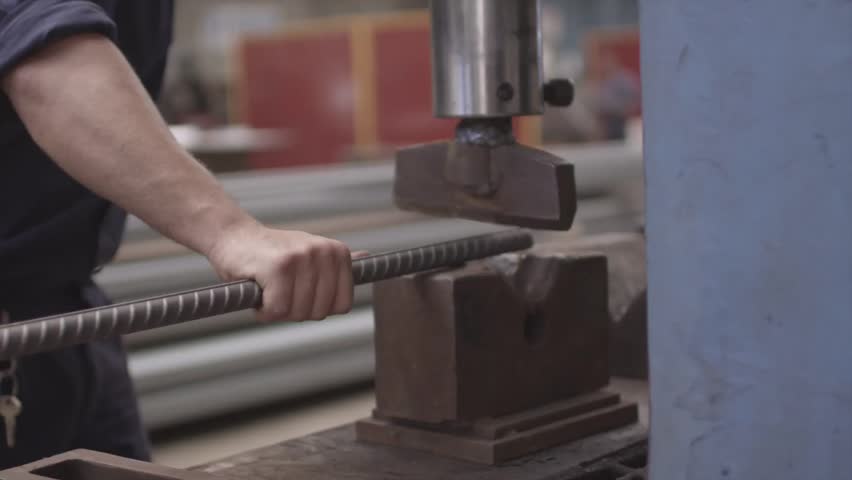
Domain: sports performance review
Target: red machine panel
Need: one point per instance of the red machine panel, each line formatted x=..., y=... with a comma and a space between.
x=619, y=46
x=301, y=83
x=404, y=88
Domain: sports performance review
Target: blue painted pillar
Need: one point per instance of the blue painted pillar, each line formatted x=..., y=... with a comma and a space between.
x=748, y=151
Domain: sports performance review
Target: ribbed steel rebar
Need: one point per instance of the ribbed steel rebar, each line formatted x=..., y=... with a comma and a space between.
x=50, y=333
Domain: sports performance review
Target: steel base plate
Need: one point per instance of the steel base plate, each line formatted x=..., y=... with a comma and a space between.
x=494, y=441
x=615, y=455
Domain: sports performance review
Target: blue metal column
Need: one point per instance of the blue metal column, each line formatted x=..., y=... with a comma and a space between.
x=748, y=131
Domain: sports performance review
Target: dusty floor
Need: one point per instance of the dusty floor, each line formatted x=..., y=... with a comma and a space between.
x=216, y=439
x=185, y=447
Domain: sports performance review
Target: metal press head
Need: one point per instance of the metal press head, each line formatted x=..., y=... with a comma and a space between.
x=486, y=69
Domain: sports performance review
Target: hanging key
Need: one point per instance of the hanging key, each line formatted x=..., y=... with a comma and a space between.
x=10, y=408
x=10, y=404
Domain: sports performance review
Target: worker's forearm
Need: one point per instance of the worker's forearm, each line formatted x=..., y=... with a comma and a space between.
x=85, y=107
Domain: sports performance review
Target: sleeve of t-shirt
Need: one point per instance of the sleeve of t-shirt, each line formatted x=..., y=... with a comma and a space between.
x=27, y=25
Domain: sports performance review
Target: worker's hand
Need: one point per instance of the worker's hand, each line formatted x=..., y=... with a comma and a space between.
x=304, y=277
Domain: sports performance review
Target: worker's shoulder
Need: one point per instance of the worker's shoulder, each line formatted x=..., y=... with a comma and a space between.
x=139, y=17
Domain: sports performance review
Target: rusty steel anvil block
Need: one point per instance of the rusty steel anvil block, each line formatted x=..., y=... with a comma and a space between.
x=509, y=184
x=491, y=338
x=496, y=359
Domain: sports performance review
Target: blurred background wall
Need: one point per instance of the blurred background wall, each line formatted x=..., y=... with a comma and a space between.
x=284, y=66
x=207, y=31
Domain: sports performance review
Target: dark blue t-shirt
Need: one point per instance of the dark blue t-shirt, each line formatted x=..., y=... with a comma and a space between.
x=53, y=231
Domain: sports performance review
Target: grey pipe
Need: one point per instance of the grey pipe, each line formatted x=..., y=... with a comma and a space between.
x=296, y=205
x=204, y=359
x=257, y=387
x=284, y=180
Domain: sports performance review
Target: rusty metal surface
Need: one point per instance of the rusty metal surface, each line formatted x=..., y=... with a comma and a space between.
x=89, y=465
x=508, y=184
x=627, y=267
x=495, y=441
x=335, y=454
x=492, y=338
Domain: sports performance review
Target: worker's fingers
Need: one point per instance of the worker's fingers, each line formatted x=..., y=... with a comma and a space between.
x=278, y=293
x=305, y=285
x=359, y=254
x=327, y=261
x=343, y=300
x=302, y=275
